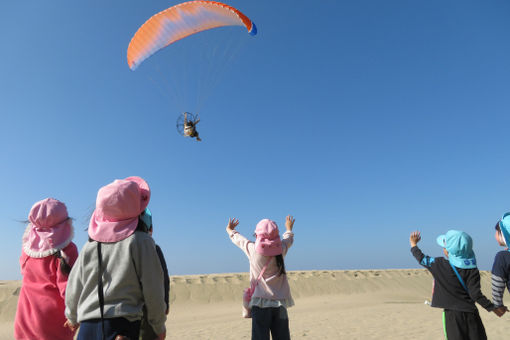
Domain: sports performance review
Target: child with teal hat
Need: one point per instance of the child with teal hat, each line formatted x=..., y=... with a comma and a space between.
x=456, y=285
x=146, y=330
x=501, y=266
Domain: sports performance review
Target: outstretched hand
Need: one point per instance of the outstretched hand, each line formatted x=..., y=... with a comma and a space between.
x=232, y=224
x=414, y=238
x=500, y=311
x=289, y=222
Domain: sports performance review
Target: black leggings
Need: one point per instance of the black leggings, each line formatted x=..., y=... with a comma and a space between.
x=463, y=325
x=269, y=320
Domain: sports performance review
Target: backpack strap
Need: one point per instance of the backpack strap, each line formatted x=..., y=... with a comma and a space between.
x=253, y=285
x=100, y=293
x=460, y=278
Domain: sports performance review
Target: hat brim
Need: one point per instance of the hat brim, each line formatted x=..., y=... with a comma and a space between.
x=111, y=231
x=468, y=262
x=441, y=241
x=268, y=248
x=44, y=242
x=504, y=226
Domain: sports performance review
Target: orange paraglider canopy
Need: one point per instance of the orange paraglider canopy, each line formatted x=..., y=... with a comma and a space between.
x=180, y=21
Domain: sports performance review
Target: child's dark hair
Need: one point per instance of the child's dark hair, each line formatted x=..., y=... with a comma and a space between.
x=142, y=226
x=65, y=268
x=280, y=264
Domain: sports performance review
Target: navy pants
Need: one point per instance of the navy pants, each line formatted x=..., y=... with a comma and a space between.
x=463, y=325
x=91, y=329
x=269, y=320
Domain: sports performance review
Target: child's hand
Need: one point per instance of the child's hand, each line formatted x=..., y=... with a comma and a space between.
x=414, y=238
x=71, y=326
x=500, y=311
x=289, y=222
x=232, y=224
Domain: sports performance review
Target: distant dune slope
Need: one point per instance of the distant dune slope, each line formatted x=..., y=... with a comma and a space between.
x=228, y=287
x=209, y=303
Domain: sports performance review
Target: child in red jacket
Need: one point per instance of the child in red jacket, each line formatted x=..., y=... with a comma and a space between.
x=46, y=261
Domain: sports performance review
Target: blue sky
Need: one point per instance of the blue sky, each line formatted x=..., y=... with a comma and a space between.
x=364, y=119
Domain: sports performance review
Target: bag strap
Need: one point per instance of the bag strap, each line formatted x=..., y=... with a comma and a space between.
x=100, y=287
x=253, y=285
x=460, y=279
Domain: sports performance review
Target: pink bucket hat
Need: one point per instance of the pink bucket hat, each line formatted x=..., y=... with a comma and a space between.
x=268, y=241
x=118, y=206
x=50, y=229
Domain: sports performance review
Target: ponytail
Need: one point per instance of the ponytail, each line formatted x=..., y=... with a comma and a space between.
x=280, y=264
x=65, y=268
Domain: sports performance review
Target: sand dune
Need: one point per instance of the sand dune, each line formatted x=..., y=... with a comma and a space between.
x=353, y=304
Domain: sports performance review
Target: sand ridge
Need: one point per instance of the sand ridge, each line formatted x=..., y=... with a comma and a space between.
x=228, y=287
x=330, y=304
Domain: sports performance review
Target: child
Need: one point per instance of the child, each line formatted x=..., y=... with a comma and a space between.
x=47, y=257
x=190, y=127
x=271, y=296
x=146, y=331
x=456, y=285
x=501, y=265
x=118, y=270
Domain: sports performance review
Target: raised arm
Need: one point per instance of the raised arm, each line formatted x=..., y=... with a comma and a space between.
x=288, y=236
x=422, y=259
x=238, y=239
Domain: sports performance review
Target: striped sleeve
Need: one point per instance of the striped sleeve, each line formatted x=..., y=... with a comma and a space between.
x=498, y=289
x=422, y=259
x=427, y=261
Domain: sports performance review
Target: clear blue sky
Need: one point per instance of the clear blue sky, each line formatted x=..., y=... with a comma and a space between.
x=363, y=119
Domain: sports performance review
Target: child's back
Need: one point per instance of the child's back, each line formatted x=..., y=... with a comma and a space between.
x=456, y=285
x=48, y=255
x=448, y=291
x=270, y=289
x=272, y=285
x=501, y=265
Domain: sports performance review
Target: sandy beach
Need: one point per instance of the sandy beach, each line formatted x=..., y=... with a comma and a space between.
x=345, y=304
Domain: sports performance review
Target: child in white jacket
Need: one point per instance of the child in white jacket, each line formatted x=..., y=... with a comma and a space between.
x=271, y=296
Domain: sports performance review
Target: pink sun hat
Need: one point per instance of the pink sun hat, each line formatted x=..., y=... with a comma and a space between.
x=50, y=229
x=268, y=241
x=118, y=206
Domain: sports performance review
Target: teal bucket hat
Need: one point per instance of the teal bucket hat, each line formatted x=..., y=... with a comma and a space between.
x=504, y=226
x=146, y=217
x=460, y=248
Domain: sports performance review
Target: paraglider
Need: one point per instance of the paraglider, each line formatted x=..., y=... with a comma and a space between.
x=187, y=125
x=179, y=22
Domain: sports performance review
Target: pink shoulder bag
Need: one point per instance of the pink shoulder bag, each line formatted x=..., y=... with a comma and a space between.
x=248, y=292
